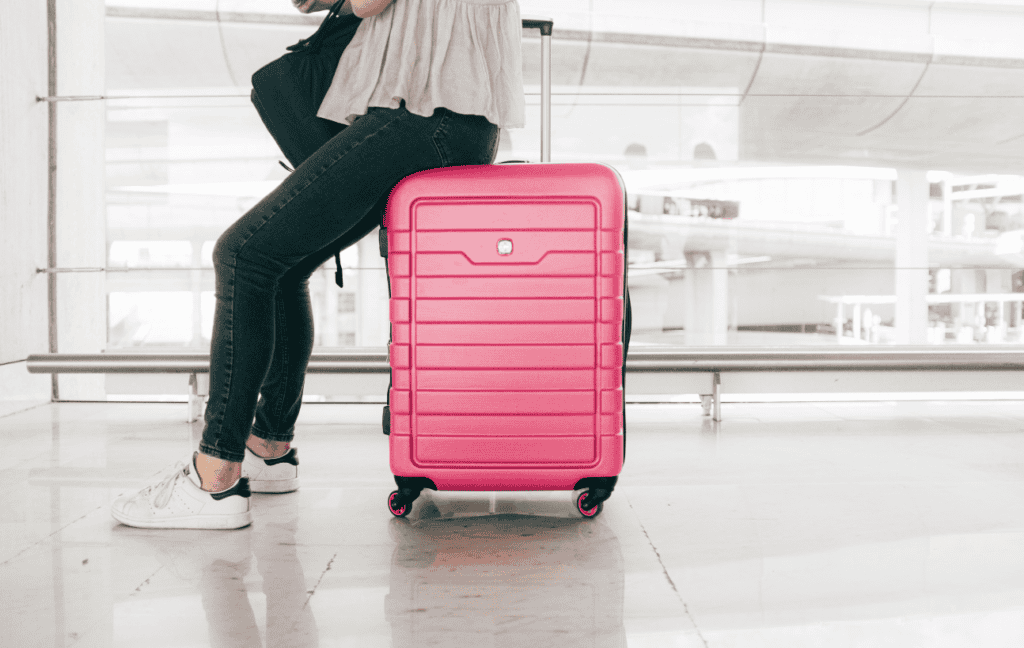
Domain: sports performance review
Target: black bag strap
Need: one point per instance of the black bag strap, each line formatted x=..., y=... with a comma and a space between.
x=314, y=42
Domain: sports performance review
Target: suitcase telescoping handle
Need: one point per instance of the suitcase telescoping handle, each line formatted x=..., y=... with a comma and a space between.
x=544, y=25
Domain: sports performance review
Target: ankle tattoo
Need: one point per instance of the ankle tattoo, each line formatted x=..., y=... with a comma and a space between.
x=268, y=449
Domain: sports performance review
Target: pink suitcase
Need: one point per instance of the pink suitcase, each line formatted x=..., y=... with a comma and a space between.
x=508, y=303
x=509, y=324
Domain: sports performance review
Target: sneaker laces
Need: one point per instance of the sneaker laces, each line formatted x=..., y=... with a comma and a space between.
x=165, y=487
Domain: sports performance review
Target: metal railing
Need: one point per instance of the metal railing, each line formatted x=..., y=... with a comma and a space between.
x=640, y=360
x=712, y=361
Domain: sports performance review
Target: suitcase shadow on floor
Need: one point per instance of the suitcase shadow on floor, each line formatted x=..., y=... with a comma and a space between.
x=504, y=579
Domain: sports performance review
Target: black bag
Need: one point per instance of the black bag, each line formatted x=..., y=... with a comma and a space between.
x=288, y=91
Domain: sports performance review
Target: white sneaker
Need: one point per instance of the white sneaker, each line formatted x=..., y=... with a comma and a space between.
x=279, y=475
x=178, y=502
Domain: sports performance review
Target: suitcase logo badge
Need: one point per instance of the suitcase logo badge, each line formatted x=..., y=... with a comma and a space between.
x=505, y=246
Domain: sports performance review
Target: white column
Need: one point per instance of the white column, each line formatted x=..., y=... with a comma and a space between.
x=372, y=316
x=965, y=282
x=719, y=297
x=912, y=257
x=947, y=207
x=856, y=321
x=883, y=197
x=840, y=321
x=81, y=178
x=707, y=292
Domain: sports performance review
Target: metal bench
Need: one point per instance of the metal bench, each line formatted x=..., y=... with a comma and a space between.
x=707, y=371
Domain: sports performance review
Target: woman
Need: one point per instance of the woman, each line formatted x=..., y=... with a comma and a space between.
x=423, y=84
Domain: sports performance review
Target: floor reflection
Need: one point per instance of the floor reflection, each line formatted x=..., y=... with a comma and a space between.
x=504, y=580
x=798, y=525
x=217, y=563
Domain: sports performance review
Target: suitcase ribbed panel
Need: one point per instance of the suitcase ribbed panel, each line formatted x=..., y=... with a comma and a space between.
x=530, y=215
x=506, y=310
x=564, y=299
x=521, y=287
x=526, y=333
x=510, y=403
x=515, y=379
x=528, y=248
x=517, y=426
x=506, y=357
x=498, y=449
x=471, y=475
x=563, y=264
x=500, y=425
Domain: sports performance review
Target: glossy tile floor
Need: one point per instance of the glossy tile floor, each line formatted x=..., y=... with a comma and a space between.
x=831, y=525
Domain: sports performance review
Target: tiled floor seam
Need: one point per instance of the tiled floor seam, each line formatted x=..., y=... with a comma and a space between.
x=30, y=407
x=146, y=581
x=664, y=570
x=322, y=574
x=51, y=534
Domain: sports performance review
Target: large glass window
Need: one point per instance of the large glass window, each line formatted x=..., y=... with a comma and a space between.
x=788, y=183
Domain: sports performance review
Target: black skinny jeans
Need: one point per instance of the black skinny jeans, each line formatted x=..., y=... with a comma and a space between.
x=263, y=323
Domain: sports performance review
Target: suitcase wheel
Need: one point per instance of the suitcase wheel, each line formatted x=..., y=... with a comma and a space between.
x=591, y=512
x=398, y=511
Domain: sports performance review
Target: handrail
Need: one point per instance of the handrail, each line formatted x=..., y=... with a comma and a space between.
x=640, y=360
x=372, y=360
x=650, y=360
x=859, y=358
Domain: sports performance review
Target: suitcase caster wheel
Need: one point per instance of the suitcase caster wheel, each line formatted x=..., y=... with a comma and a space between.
x=587, y=513
x=401, y=511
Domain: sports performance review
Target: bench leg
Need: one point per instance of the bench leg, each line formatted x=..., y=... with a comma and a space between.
x=198, y=393
x=717, y=396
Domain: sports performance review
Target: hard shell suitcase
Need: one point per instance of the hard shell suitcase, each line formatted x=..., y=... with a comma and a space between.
x=509, y=325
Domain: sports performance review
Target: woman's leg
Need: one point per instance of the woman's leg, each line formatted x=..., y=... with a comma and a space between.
x=325, y=198
x=299, y=135
x=281, y=393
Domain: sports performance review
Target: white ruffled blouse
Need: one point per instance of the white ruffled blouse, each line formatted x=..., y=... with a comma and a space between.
x=464, y=55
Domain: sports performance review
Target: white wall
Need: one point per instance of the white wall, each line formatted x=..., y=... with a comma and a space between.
x=23, y=170
x=24, y=194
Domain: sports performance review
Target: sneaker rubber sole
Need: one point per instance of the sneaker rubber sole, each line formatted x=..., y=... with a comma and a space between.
x=274, y=485
x=225, y=521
